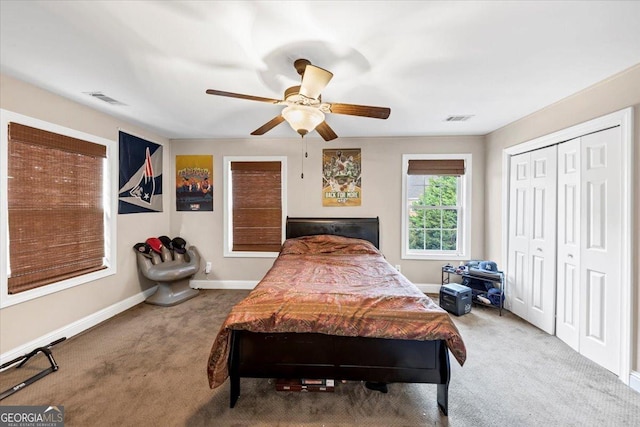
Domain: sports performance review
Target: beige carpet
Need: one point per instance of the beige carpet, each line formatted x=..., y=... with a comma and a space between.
x=147, y=367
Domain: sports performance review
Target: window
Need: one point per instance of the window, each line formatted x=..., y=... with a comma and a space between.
x=56, y=219
x=436, y=206
x=254, y=205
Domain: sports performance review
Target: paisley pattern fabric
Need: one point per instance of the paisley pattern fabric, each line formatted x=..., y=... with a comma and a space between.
x=337, y=286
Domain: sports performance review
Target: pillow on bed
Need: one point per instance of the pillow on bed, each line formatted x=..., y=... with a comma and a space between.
x=327, y=244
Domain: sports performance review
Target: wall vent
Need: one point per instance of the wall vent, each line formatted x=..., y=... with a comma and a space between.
x=457, y=118
x=102, y=97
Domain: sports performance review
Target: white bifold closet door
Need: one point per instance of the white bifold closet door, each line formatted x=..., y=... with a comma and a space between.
x=568, y=295
x=589, y=242
x=531, y=279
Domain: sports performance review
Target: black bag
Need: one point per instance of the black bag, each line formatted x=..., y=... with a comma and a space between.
x=477, y=284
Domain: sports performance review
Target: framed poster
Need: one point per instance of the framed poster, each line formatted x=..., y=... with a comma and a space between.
x=194, y=183
x=140, y=183
x=341, y=177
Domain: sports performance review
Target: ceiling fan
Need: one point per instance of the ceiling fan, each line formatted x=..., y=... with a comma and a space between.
x=304, y=109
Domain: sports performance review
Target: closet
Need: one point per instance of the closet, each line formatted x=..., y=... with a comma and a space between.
x=532, y=238
x=565, y=239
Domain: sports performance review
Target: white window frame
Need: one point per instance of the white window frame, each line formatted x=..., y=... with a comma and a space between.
x=464, y=214
x=110, y=206
x=228, y=204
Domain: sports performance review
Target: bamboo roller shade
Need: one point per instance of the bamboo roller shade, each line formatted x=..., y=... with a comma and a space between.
x=56, y=215
x=453, y=167
x=257, y=206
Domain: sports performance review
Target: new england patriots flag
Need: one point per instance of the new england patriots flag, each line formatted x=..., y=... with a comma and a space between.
x=140, y=185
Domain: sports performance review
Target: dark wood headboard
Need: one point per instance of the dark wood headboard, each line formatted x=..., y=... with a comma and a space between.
x=359, y=228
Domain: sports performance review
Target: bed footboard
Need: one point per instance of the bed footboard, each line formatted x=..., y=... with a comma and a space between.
x=291, y=355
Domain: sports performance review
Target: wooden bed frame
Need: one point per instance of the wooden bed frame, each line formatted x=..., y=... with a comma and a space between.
x=309, y=355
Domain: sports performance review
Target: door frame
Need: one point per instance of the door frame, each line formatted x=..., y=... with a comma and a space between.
x=624, y=119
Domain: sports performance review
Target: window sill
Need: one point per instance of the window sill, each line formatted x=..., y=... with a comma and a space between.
x=435, y=257
x=7, y=300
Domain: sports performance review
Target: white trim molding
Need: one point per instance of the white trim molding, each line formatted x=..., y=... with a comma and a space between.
x=228, y=203
x=427, y=288
x=110, y=185
x=224, y=284
x=78, y=326
x=466, y=183
x=634, y=380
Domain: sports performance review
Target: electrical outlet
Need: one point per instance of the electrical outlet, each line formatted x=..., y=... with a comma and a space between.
x=399, y=268
x=207, y=268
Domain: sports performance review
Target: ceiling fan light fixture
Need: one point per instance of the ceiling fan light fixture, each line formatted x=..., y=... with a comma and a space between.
x=314, y=80
x=302, y=119
x=304, y=109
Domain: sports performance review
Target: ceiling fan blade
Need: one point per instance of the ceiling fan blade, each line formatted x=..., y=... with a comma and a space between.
x=268, y=126
x=325, y=131
x=241, y=96
x=314, y=80
x=360, y=110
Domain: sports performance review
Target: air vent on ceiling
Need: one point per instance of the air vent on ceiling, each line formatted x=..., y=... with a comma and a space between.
x=102, y=97
x=457, y=118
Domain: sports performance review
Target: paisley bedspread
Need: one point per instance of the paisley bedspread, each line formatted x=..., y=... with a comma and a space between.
x=337, y=286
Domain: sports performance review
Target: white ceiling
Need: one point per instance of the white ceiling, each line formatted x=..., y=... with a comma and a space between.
x=426, y=60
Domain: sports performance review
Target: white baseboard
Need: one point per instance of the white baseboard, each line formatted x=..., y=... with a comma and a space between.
x=250, y=284
x=634, y=381
x=223, y=284
x=429, y=288
x=78, y=326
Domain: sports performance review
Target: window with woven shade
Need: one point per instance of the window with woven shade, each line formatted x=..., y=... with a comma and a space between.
x=256, y=199
x=436, y=206
x=56, y=207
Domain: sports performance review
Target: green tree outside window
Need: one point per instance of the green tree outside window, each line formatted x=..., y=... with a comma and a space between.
x=433, y=213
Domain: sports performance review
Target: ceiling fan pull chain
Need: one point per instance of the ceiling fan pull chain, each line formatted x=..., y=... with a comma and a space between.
x=302, y=161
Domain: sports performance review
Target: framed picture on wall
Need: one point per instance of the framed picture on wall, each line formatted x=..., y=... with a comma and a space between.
x=194, y=183
x=341, y=177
